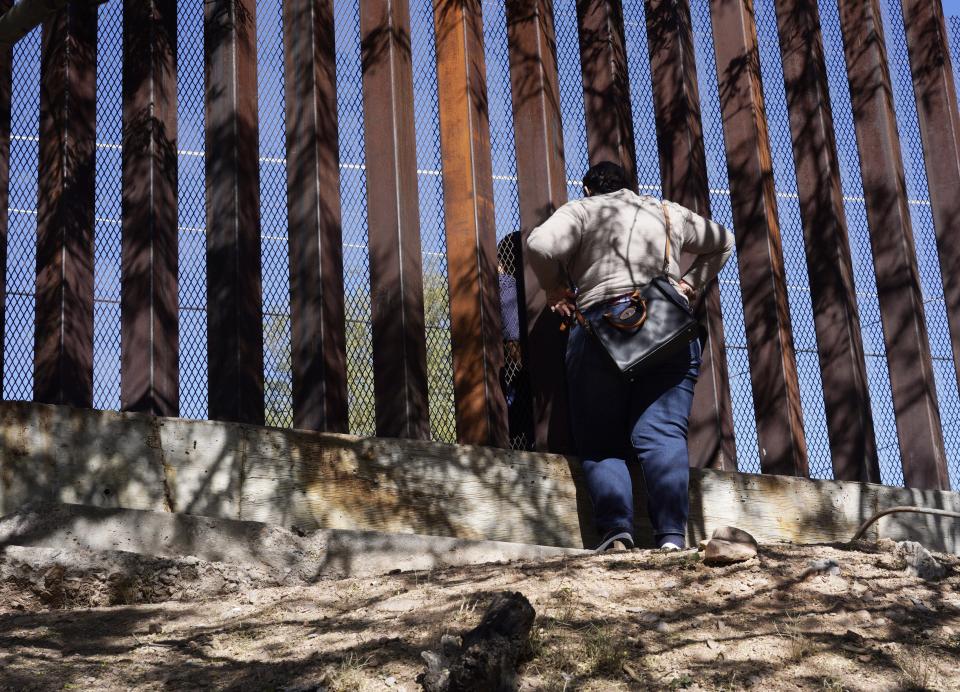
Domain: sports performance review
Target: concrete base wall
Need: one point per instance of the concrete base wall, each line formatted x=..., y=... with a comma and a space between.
x=313, y=480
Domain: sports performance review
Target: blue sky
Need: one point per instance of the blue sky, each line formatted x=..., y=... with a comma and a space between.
x=951, y=7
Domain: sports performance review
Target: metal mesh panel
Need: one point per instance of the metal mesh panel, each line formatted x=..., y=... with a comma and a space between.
x=436, y=298
x=507, y=210
x=191, y=210
x=921, y=216
x=641, y=98
x=794, y=253
x=571, y=95
x=274, y=255
x=22, y=232
x=953, y=37
x=353, y=196
x=878, y=376
x=738, y=365
x=106, y=268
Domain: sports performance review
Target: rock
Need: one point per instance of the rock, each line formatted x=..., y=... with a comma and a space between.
x=729, y=545
x=399, y=604
x=920, y=563
x=825, y=566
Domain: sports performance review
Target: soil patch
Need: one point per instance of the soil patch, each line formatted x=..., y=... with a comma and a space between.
x=807, y=617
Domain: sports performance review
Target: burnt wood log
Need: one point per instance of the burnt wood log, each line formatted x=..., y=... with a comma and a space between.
x=486, y=661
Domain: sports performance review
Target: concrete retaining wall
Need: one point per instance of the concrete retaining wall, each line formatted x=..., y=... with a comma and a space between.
x=312, y=480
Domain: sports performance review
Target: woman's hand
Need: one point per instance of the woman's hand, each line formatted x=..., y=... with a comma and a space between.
x=562, y=302
x=688, y=292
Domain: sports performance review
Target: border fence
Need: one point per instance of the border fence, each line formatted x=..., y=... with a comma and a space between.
x=287, y=212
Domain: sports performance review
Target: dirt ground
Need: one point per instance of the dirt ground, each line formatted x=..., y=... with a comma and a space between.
x=620, y=621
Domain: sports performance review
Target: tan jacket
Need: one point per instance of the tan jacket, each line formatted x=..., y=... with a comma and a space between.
x=609, y=244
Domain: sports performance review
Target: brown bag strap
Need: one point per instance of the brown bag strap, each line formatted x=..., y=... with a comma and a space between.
x=666, y=226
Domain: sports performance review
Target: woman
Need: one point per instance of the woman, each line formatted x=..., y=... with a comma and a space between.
x=605, y=245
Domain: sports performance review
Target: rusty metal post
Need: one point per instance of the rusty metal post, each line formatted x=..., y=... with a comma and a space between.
x=317, y=322
x=683, y=175
x=234, y=298
x=63, y=351
x=541, y=188
x=766, y=313
x=149, y=338
x=894, y=255
x=393, y=220
x=846, y=395
x=475, y=326
x=606, y=84
x=6, y=87
x=936, y=98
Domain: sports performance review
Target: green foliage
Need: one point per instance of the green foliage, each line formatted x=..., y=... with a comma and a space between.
x=277, y=385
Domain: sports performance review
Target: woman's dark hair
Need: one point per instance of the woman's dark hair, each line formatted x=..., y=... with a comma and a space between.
x=508, y=252
x=605, y=177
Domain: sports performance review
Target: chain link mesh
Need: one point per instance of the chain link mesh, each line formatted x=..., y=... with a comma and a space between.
x=924, y=236
x=22, y=231
x=514, y=377
x=107, y=229
x=794, y=252
x=18, y=345
x=868, y=306
x=274, y=253
x=738, y=364
x=571, y=95
x=353, y=199
x=191, y=210
x=436, y=298
x=641, y=98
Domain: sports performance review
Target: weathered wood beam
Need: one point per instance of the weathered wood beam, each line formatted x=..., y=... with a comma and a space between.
x=317, y=318
x=935, y=93
x=766, y=312
x=63, y=341
x=606, y=85
x=846, y=394
x=541, y=189
x=149, y=336
x=234, y=296
x=683, y=175
x=894, y=254
x=475, y=326
x=393, y=221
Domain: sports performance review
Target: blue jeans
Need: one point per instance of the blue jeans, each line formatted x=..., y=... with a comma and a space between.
x=614, y=420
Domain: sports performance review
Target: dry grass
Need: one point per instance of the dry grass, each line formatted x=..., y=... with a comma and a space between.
x=349, y=675
x=798, y=645
x=917, y=671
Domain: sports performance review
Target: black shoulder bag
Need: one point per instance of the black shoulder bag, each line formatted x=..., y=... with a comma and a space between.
x=647, y=327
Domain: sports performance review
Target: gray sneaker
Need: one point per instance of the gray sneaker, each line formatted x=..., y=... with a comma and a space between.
x=617, y=541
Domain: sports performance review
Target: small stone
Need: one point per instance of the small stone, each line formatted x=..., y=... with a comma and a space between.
x=863, y=615
x=712, y=645
x=399, y=605
x=947, y=631
x=729, y=545
x=920, y=563
x=390, y=681
x=826, y=566
x=662, y=627
x=155, y=628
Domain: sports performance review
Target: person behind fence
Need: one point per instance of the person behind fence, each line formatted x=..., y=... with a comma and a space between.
x=591, y=256
x=513, y=377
